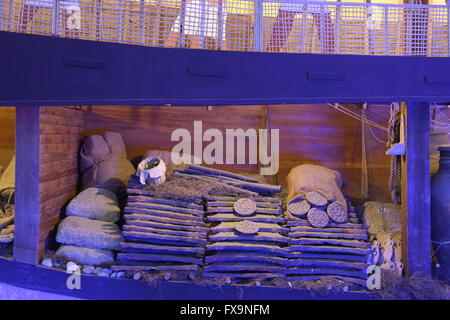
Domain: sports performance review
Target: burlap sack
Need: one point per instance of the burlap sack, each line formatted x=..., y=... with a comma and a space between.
x=104, y=162
x=115, y=143
x=95, y=203
x=94, y=150
x=306, y=178
x=111, y=174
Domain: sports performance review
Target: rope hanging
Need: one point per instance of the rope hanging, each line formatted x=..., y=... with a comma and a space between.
x=395, y=179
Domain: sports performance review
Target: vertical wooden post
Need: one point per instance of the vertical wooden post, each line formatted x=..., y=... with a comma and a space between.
x=416, y=233
x=27, y=210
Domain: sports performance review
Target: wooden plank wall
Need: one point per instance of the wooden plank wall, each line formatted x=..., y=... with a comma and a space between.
x=308, y=134
x=7, y=135
x=60, y=130
x=7, y=127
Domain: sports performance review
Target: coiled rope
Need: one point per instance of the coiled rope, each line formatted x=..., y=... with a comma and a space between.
x=395, y=179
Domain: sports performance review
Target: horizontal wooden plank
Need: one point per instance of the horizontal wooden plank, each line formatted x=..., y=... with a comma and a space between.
x=139, y=202
x=263, y=227
x=257, y=275
x=259, y=204
x=329, y=249
x=163, y=231
x=336, y=235
x=157, y=248
x=143, y=267
x=345, y=243
x=168, y=202
x=225, y=217
x=162, y=239
x=161, y=213
x=303, y=223
x=245, y=258
x=328, y=256
x=159, y=225
x=245, y=267
x=267, y=211
x=238, y=246
x=124, y=257
x=326, y=264
x=326, y=271
x=260, y=236
x=360, y=282
x=326, y=229
x=256, y=199
x=147, y=217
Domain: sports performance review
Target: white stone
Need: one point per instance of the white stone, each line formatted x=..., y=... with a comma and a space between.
x=137, y=276
x=47, y=262
x=113, y=275
x=103, y=274
x=106, y=270
x=120, y=274
x=71, y=267
x=98, y=270
x=88, y=269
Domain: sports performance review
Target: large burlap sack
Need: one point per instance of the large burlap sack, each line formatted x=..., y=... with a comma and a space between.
x=94, y=150
x=382, y=218
x=89, y=233
x=95, y=203
x=107, y=167
x=111, y=174
x=306, y=178
x=84, y=255
x=115, y=143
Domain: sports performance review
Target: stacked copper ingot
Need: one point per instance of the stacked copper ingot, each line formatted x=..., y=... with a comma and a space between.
x=246, y=238
x=334, y=250
x=161, y=235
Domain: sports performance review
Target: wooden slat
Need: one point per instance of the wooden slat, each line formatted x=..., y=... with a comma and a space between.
x=157, y=248
x=162, y=239
x=162, y=213
x=326, y=264
x=326, y=271
x=238, y=246
x=144, y=267
x=336, y=235
x=147, y=217
x=163, y=231
x=151, y=224
x=329, y=249
x=137, y=202
x=124, y=257
x=219, y=217
x=174, y=203
x=261, y=236
x=345, y=243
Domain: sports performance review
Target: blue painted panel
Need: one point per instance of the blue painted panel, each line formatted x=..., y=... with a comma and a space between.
x=53, y=71
x=94, y=287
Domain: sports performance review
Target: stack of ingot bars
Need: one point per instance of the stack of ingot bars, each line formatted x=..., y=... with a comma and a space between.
x=161, y=234
x=336, y=250
x=245, y=243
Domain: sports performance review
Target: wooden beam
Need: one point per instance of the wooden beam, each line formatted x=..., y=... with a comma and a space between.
x=27, y=185
x=416, y=233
